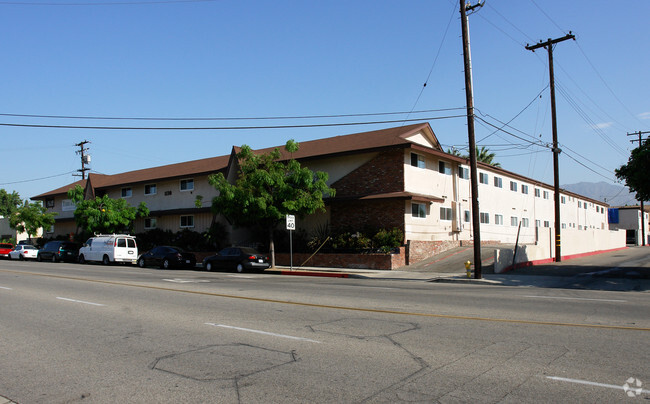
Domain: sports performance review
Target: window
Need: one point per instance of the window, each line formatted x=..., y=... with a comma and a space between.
x=418, y=209
x=121, y=242
x=187, y=221
x=545, y=194
x=150, y=223
x=537, y=192
x=585, y=205
x=547, y=223
x=126, y=192
x=514, y=221
x=498, y=219
x=537, y=223
x=513, y=186
x=483, y=178
x=485, y=217
x=579, y=204
x=445, y=214
x=444, y=168
x=417, y=161
x=150, y=189
x=524, y=222
x=498, y=182
x=187, y=185
x=463, y=172
x=564, y=225
x=67, y=205
x=49, y=203
x=524, y=189
x=467, y=216
x=563, y=199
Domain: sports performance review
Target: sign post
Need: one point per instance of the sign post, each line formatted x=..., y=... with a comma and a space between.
x=291, y=226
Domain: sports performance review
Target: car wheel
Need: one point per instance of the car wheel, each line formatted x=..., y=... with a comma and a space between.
x=20, y=257
x=165, y=264
x=54, y=258
x=82, y=259
x=141, y=263
x=208, y=266
x=39, y=258
x=106, y=260
x=240, y=268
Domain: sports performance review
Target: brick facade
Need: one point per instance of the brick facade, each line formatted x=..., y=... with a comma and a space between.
x=374, y=214
x=384, y=173
x=359, y=261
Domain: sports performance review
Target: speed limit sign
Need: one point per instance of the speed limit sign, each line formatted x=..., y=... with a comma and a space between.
x=291, y=222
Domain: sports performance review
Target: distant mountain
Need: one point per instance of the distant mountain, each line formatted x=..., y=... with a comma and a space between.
x=613, y=195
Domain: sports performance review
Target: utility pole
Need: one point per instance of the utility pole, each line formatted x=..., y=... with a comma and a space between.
x=469, y=97
x=556, y=150
x=642, y=211
x=85, y=158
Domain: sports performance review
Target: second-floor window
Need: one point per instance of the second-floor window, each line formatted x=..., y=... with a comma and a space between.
x=498, y=182
x=126, y=192
x=463, y=172
x=513, y=186
x=67, y=205
x=483, y=178
x=150, y=189
x=524, y=189
x=417, y=160
x=444, y=168
x=187, y=185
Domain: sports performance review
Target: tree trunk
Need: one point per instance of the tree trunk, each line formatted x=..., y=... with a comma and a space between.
x=271, y=247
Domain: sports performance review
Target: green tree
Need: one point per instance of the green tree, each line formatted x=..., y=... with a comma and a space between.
x=635, y=172
x=30, y=218
x=484, y=156
x=454, y=152
x=9, y=202
x=103, y=214
x=267, y=189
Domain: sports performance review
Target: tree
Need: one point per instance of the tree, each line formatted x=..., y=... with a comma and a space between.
x=103, y=214
x=635, y=172
x=267, y=189
x=484, y=156
x=9, y=202
x=30, y=218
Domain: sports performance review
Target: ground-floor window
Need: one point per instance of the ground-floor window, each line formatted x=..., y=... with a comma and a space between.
x=418, y=210
x=187, y=221
x=445, y=214
x=498, y=219
x=485, y=217
x=150, y=223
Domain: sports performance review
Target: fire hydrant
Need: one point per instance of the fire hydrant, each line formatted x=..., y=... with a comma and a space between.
x=468, y=268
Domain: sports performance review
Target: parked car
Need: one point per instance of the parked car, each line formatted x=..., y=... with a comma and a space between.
x=23, y=251
x=109, y=248
x=58, y=251
x=5, y=249
x=167, y=257
x=237, y=259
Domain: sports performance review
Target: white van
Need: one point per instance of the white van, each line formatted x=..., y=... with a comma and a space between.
x=108, y=248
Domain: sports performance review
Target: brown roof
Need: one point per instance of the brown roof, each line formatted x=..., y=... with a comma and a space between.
x=315, y=148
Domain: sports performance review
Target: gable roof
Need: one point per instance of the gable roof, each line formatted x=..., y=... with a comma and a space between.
x=337, y=145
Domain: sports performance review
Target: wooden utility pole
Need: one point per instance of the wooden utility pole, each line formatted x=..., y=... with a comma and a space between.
x=469, y=96
x=639, y=133
x=556, y=150
x=85, y=159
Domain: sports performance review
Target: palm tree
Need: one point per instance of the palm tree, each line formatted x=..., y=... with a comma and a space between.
x=484, y=156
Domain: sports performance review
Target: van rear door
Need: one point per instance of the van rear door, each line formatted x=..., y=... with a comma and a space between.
x=126, y=250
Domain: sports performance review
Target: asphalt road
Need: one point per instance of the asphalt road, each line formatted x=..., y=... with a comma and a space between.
x=73, y=333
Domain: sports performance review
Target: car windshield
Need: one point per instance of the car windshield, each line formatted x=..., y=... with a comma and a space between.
x=69, y=245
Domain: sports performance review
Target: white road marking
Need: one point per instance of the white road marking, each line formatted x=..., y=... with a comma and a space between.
x=177, y=280
x=243, y=276
x=609, y=386
x=578, y=298
x=80, y=301
x=263, y=332
x=2, y=287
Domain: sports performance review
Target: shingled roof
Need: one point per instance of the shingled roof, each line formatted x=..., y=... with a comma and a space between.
x=336, y=145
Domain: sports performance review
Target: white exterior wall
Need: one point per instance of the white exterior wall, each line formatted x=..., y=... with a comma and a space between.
x=575, y=213
x=630, y=219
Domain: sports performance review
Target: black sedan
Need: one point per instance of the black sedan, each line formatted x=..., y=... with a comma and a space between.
x=167, y=257
x=237, y=259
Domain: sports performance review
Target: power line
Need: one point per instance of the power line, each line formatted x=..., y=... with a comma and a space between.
x=198, y=128
x=37, y=179
x=123, y=118
x=103, y=3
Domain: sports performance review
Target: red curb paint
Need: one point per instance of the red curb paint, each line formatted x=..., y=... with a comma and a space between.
x=564, y=257
x=325, y=274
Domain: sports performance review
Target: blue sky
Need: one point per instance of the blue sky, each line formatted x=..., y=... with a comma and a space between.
x=255, y=59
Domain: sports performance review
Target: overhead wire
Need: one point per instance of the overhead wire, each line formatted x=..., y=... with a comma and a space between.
x=218, y=128
x=38, y=179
